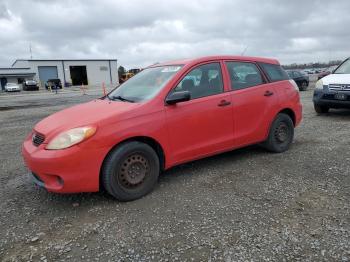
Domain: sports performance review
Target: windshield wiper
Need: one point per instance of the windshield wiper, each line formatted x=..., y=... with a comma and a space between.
x=121, y=99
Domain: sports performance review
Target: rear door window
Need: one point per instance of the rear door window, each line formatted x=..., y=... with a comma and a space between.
x=244, y=75
x=274, y=72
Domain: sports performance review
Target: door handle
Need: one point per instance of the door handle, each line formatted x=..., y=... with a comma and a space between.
x=224, y=103
x=268, y=93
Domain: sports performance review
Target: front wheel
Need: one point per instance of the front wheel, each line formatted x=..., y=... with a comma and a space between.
x=281, y=134
x=321, y=109
x=130, y=171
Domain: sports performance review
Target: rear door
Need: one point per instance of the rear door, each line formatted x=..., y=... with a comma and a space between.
x=203, y=125
x=253, y=100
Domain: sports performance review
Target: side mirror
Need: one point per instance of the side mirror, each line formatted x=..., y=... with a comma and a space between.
x=177, y=97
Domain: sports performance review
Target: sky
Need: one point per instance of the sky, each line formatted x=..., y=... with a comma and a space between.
x=140, y=33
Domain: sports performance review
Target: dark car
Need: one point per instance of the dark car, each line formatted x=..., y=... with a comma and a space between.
x=30, y=85
x=53, y=84
x=301, y=79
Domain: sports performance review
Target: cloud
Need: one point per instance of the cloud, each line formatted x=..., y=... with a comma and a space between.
x=138, y=33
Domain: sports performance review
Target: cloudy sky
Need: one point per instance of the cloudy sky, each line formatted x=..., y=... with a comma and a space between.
x=139, y=33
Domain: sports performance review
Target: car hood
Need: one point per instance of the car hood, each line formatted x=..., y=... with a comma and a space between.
x=336, y=79
x=91, y=113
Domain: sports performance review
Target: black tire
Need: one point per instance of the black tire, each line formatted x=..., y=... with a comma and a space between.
x=321, y=109
x=303, y=86
x=130, y=171
x=281, y=134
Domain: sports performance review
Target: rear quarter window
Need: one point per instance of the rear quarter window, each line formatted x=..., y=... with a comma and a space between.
x=274, y=72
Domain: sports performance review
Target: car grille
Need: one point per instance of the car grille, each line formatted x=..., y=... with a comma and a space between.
x=38, y=139
x=339, y=87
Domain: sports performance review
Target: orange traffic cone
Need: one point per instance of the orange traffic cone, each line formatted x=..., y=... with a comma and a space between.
x=104, y=89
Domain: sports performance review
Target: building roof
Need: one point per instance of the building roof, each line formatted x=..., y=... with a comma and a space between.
x=16, y=71
x=16, y=74
x=48, y=60
x=14, y=68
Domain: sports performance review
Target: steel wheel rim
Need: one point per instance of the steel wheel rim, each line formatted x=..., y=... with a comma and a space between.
x=282, y=133
x=133, y=171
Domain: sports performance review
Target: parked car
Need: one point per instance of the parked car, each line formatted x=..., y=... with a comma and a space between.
x=161, y=118
x=333, y=91
x=30, y=85
x=12, y=87
x=53, y=84
x=301, y=79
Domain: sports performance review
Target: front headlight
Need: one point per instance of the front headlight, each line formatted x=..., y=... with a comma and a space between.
x=319, y=84
x=71, y=137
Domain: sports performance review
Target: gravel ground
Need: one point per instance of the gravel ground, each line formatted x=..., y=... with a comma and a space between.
x=245, y=205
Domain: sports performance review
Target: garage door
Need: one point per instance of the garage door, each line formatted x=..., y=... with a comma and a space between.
x=46, y=73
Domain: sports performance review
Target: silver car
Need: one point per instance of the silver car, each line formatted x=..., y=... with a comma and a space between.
x=12, y=87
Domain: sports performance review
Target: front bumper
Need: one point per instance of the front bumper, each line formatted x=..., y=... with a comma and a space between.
x=70, y=170
x=31, y=87
x=327, y=98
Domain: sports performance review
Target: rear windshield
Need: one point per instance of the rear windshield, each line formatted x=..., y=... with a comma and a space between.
x=274, y=72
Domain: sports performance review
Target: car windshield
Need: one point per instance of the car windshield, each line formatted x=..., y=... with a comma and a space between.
x=145, y=85
x=344, y=68
x=11, y=84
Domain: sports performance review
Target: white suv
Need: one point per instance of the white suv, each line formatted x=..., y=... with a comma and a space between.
x=333, y=91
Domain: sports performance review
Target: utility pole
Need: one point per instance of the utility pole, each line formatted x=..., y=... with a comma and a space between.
x=30, y=51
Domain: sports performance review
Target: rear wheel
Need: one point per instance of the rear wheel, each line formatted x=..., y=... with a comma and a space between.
x=321, y=109
x=130, y=171
x=281, y=134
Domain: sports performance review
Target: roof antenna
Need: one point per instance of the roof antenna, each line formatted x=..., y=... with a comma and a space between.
x=30, y=51
x=244, y=50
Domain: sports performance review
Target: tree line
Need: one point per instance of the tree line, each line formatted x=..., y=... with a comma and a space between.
x=312, y=65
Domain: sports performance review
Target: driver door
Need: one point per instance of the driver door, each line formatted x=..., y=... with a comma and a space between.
x=203, y=125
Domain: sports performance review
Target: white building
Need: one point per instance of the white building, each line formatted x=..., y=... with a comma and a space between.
x=15, y=75
x=69, y=71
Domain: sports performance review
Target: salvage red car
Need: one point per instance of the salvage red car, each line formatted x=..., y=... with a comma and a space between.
x=168, y=114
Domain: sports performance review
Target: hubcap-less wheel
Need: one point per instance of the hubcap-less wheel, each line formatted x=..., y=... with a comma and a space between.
x=133, y=171
x=321, y=109
x=130, y=170
x=281, y=133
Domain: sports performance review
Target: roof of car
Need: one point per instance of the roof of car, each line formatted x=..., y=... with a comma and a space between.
x=222, y=57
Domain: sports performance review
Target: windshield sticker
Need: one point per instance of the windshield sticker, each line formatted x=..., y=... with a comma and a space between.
x=169, y=69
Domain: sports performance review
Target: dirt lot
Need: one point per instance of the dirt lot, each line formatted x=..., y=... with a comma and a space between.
x=243, y=205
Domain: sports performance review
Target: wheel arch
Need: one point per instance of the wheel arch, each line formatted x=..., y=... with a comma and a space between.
x=157, y=147
x=288, y=112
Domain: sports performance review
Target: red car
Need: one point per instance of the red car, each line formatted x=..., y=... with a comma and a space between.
x=168, y=114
